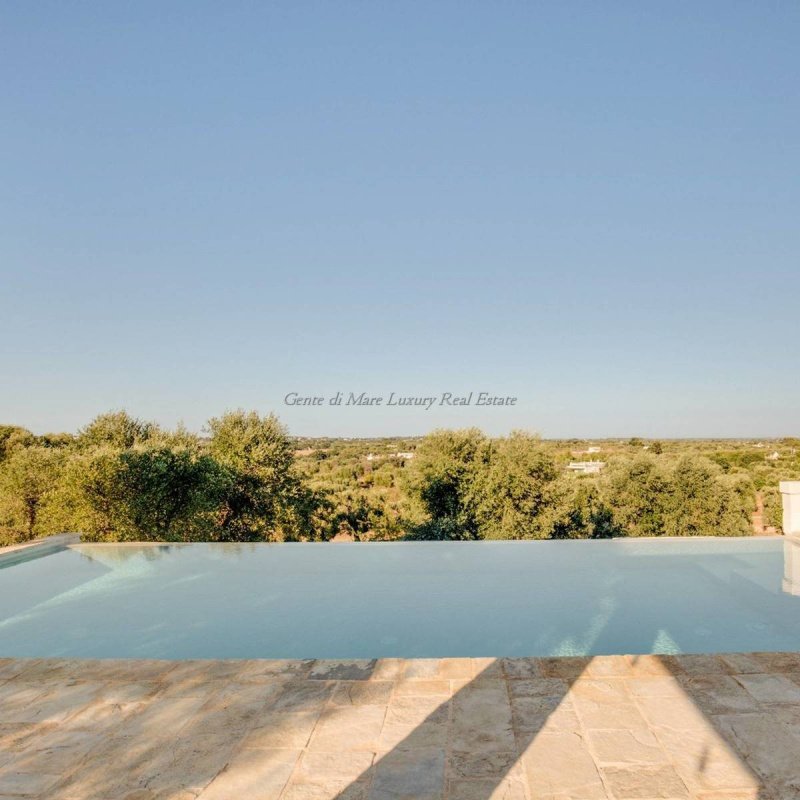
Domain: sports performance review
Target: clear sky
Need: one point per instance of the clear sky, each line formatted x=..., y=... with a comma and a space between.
x=594, y=207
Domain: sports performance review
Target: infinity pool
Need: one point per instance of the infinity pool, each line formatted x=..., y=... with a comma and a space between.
x=404, y=599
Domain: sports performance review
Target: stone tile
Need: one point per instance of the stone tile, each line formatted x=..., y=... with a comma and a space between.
x=602, y=690
x=570, y=667
x=412, y=688
x=302, y=695
x=339, y=767
x=427, y=734
x=481, y=764
x=406, y=774
x=609, y=667
x=422, y=668
x=559, y=766
x=487, y=667
x=642, y=665
x=351, y=670
x=533, y=714
x=189, y=763
x=768, y=748
x=771, y=688
x=362, y=693
x=740, y=663
x=481, y=717
x=655, y=686
x=253, y=774
x=415, y=710
x=644, y=783
x=455, y=668
x=258, y=670
x=696, y=664
x=16, y=782
x=11, y=667
x=277, y=729
x=538, y=687
x=678, y=713
x=779, y=662
x=388, y=669
x=327, y=790
x=54, y=706
x=348, y=728
x=605, y=704
x=486, y=789
x=522, y=668
x=704, y=760
x=623, y=747
x=718, y=694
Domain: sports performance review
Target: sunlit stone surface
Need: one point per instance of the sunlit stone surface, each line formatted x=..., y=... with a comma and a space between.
x=706, y=727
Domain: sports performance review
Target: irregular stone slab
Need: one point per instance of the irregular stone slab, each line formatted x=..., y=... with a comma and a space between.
x=416, y=710
x=302, y=695
x=704, y=761
x=506, y=789
x=559, y=766
x=417, y=774
x=696, y=664
x=523, y=668
x=570, y=667
x=609, y=667
x=739, y=663
x=353, y=670
x=340, y=768
x=427, y=734
x=776, y=689
x=624, y=747
x=362, y=693
x=718, y=694
x=348, y=728
x=257, y=774
x=768, y=747
x=482, y=764
x=481, y=717
x=411, y=688
x=645, y=783
x=534, y=714
x=276, y=729
x=677, y=712
x=538, y=687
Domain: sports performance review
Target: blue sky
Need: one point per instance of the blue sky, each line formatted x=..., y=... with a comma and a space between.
x=591, y=206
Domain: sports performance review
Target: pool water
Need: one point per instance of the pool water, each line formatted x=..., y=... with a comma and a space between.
x=400, y=599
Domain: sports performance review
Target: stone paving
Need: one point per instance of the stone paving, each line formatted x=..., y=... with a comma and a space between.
x=623, y=727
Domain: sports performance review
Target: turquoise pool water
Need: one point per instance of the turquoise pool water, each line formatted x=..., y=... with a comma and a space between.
x=404, y=599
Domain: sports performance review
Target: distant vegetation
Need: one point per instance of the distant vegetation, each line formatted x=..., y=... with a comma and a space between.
x=123, y=479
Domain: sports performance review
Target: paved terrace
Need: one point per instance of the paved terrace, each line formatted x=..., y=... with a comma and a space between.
x=716, y=728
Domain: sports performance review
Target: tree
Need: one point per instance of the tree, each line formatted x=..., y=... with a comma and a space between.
x=442, y=481
x=638, y=490
x=702, y=501
x=26, y=478
x=259, y=459
x=515, y=493
x=115, y=429
x=169, y=494
x=13, y=437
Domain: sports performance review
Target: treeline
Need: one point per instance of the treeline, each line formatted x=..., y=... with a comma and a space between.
x=472, y=487
x=123, y=479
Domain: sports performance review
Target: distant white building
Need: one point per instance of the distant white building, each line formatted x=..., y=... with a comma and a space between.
x=773, y=456
x=586, y=467
x=406, y=456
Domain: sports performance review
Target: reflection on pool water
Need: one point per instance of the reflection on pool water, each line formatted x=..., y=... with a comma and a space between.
x=402, y=599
